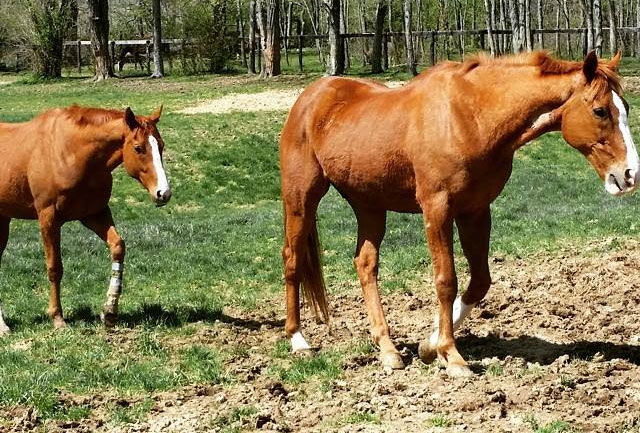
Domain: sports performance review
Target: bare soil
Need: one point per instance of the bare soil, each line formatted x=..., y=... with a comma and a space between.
x=557, y=338
x=270, y=100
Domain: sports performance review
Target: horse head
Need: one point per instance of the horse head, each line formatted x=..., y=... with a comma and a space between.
x=595, y=122
x=142, y=154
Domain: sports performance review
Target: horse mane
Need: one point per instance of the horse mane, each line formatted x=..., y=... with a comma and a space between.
x=90, y=116
x=606, y=77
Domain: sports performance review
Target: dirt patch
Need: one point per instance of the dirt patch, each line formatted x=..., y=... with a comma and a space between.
x=270, y=100
x=558, y=338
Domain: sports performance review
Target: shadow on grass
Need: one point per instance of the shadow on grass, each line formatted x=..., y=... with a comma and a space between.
x=157, y=315
x=533, y=349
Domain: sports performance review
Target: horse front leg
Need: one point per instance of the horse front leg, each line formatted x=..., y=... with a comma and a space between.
x=50, y=232
x=102, y=225
x=439, y=230
x=4, y=237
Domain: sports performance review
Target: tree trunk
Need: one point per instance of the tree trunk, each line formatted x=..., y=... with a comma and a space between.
x=51, y=20
x=251, y=69
x=541, y=24
x=587, y=9
x=613, y=30
x=158, y=64
x=408, y=39
x=376, y=53
x=489, y=20
x=638, y=26
x=514, y=14
x=99, y=29
x=335, y=65
x=243, y=53
x=525, y=7
x=597, y=26
x=269, y=24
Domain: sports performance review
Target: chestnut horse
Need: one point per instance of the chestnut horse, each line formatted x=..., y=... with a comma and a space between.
x=442, y=145
x=57, y=168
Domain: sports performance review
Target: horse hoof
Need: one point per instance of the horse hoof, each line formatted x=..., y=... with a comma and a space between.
x=4, y=330
x=303, y=353
x=427, y=352
x=59, y=323
x=391, y=360
x=109, y=319
x=458, y=370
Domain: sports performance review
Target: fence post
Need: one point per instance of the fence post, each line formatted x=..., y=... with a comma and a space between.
x=433, y=48
x=148, y=46
x=79, y=56
x=113, y=54
x=300, y=43
x=385, y=52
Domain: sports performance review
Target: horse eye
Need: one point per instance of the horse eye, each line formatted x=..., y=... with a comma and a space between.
x=138, y=148
x=600, y=112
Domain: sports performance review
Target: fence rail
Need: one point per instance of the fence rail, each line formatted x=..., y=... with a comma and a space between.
x=431, y=35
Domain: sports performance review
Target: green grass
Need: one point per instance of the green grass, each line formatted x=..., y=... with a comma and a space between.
x=440, y=421
x=362, y=418
x=552, y=427
x=217, y=245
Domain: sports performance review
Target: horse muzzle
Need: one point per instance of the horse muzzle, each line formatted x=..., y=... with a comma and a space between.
x=161, y=196
x=622, y=181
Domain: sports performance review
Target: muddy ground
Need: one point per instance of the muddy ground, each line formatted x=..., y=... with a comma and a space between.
x=558, y=338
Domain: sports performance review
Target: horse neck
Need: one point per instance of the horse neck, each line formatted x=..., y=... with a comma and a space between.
x=528, y=96
x=107, y=143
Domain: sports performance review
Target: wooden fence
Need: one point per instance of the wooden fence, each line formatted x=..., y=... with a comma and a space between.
x=432, y=36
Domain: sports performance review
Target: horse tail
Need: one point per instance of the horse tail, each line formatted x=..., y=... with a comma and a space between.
x=313, y=287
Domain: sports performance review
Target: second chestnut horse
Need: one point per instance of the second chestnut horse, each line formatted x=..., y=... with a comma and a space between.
x=57, y=168
x=442, y=145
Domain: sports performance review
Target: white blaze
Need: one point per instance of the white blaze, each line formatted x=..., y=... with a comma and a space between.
x=163, y=184
x=623, y=124
x=298, y=343
x=460, y=311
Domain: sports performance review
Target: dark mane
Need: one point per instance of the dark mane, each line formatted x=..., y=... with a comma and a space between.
x=83, y=116
x=606, y=77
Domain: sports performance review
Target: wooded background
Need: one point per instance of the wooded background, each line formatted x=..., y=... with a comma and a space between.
x=202, y=36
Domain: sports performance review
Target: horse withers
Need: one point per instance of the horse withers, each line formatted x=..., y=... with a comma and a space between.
x=442, y=145
x=57, y=168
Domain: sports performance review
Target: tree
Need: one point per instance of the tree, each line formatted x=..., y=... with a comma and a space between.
x=251, y=67
x=408, y=39
x=268, y=22
x=489, y=21
x=613, y=31
x=335, y=65
x=51, y=21
x=158, y=64
x=99, y=29
x=376, y=53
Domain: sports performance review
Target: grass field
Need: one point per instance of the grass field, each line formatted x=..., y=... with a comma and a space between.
x=216, y=246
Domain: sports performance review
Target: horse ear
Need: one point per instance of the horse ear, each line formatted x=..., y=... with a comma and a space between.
x=130, y=119
x=155, y=116
x=590, y=66
x=615, y=61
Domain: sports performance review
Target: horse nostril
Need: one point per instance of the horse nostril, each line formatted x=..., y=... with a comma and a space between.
x=159, y=194
x=628, y=174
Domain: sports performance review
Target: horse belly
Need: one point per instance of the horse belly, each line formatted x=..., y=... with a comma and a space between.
x=385, y=183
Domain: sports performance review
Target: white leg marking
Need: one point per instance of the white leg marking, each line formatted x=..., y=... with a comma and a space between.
x=163, y=185
x=460, y=311
x=3, y=326
x=298, y=343
x=115, y=288
x=623, y=124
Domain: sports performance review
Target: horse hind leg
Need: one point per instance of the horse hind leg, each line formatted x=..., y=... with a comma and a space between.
x=301, y=254
x=371, y=230
x=4, y=237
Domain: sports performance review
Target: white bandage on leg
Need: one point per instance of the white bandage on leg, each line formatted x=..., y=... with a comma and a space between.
x=298, y=343
x=115, y=288
x=460, y=311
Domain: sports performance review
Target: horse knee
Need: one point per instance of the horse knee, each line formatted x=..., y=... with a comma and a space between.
x=366, y=262
x=446, y=287
x=117, y=248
